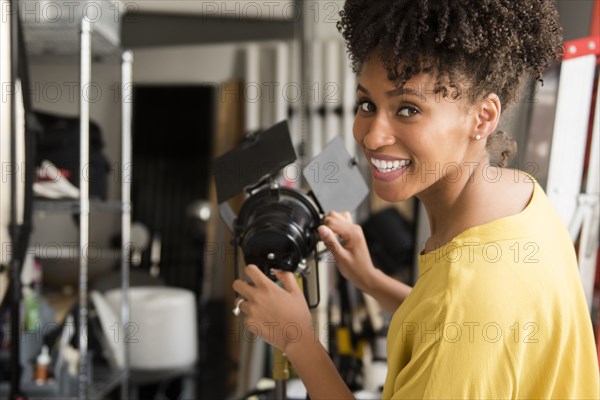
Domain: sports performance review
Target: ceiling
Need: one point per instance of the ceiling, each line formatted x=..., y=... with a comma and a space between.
x=258, y=10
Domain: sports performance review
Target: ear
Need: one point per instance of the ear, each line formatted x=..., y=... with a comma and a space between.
x=488, y=115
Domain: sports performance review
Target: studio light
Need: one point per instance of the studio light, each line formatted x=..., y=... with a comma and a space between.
x=276, y=227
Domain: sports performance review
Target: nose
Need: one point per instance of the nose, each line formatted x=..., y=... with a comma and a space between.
x=377, y=133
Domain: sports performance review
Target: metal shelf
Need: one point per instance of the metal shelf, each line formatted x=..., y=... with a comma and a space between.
x=51, y=29
x=139, y=29
x=105, y=381
x=83, y=31
x=74, y=207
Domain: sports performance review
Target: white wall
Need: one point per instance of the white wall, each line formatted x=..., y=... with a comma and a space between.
x=185, y=64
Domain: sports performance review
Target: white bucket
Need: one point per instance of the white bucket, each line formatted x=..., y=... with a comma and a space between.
x=163, y=331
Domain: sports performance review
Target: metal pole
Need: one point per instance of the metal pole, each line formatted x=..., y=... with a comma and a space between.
x=126, y=166
x=252, y=107
x=303, y=37
x=281, y=373
x=15, y=264
x=84, y=215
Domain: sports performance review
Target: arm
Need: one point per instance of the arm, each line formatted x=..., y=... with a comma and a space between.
x=270, y=310
x=388, y=291
x=355, y=264
x=318, y=373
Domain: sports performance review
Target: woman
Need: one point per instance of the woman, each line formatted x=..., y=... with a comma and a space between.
x=498, y=310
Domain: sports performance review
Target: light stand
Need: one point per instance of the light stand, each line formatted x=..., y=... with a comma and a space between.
x=281, y=374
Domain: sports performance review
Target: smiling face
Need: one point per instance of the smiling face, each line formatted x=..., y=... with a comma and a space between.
x=417, y=141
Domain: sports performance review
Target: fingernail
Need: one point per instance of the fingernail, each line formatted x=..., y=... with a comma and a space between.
x=274, y=271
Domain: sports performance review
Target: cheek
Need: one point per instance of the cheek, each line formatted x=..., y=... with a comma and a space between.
x=359, y=129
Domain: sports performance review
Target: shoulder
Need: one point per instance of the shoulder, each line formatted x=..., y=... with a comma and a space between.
x=509, y=192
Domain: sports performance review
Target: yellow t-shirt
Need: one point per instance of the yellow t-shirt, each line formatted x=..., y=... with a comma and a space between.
x=497, y=313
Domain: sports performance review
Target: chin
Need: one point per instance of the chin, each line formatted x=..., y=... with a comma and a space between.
x=391, y=193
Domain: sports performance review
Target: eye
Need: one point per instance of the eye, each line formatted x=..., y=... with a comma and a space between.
x=408, y=111
x=365, y=106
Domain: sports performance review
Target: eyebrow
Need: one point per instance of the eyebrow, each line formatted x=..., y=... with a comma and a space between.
x=395, y=92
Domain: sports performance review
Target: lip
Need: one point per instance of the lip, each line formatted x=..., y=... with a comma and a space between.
x=387, y=176
x=382, y=176
x=385, y=157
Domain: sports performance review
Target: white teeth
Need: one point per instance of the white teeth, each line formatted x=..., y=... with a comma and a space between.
x=389, y=166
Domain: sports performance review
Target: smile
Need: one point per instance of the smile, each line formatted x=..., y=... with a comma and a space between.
x=384, y=166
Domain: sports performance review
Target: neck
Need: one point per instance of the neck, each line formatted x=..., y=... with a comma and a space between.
x=450, y=203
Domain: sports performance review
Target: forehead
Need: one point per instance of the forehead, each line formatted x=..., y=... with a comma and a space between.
x=374, y=73
x=373, y=77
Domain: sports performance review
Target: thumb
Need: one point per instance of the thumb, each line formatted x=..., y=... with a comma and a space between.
x=287, y=279
x=330, y=240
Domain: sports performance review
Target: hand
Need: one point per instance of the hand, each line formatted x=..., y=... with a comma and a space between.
x=353, y=258
x=279, y=315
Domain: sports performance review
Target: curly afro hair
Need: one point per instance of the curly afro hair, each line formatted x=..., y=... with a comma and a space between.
x=491, y=43
x=476, y=47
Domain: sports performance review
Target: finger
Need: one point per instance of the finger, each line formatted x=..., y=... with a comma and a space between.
x=331, y=242
x=255, y=274
x=243, y=306
x=242, y=288
x=343, y=215
x=345, y=229
x=347, y=216
x=326, y=234
x=288, y=280
x=336, y=215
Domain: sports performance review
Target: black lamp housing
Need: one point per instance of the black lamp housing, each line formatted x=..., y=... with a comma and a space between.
x=276, y=227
